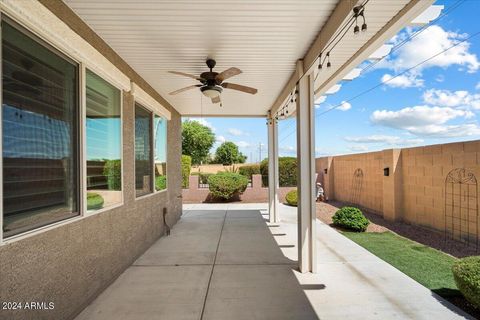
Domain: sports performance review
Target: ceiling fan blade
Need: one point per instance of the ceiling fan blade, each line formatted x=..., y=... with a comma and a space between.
x=239, y=87
x=216, y=100
x=185, y=89
x=230, y=72
x=187, y=75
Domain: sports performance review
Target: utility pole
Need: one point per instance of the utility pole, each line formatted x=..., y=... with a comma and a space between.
x=259, y=152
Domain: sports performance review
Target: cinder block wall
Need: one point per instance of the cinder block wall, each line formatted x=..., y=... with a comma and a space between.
x=414, y=191
x=71, y=264
x=366, y=190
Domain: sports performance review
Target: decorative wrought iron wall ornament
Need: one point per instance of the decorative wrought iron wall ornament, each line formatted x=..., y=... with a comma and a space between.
x=357, y=183
x=461, y=206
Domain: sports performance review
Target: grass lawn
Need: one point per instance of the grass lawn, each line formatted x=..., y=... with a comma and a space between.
x=428, y=266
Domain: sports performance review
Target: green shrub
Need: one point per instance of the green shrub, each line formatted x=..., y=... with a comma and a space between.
x=466, y=273
x=350, y=218
x=287, y=171
x=202, y=177
x=94, y=201
x=186, y=168
x=160, y=182
x=292, y=198
x=226, y=185
x=249, y=170
x=113, y=171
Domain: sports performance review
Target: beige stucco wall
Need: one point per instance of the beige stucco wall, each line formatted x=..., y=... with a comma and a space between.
x=71, y=264
x=414, y=191
x=366, y=191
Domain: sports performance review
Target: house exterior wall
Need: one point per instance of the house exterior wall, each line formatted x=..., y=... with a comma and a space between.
x=70, y=264
x=415, y=190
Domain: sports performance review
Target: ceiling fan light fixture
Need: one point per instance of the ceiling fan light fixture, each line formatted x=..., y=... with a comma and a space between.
x=211, y=91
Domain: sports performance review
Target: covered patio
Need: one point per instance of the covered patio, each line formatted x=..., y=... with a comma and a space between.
x=228, y=262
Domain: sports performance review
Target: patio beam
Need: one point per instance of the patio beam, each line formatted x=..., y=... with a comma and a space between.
x=341, y=12
x=273, y=170
x=307, y=261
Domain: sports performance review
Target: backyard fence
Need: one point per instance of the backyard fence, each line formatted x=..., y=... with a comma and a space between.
x=432, y=186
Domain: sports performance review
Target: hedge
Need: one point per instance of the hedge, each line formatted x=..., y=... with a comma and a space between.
x=226, y=185
x=287, y=171
x=249, y=170
x=466, y=273
x=292, y=198
x=186, y=168
x=350, y=218
x=113, y=171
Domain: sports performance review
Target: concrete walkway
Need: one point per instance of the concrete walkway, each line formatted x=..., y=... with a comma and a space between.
x=225, y=262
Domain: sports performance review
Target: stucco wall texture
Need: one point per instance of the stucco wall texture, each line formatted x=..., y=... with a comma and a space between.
x=71, y=264
x=414, y=191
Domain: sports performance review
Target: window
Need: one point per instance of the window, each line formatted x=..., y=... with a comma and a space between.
x=143, y=151
x=160, y=127
x=40, y=133
x=103, y=130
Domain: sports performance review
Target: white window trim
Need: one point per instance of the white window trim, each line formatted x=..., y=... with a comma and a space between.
x=45, y=24
x=83, y=81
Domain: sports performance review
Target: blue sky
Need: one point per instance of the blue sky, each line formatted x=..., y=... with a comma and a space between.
x=436, y=102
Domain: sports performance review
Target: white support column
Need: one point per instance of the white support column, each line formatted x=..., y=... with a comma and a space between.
x=273, y=170
x=306, y=175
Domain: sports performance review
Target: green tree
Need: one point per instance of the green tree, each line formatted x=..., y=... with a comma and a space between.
x=227, y=153
x=197, y=140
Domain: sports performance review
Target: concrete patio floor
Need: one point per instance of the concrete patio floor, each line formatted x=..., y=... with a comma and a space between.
x=225, y=262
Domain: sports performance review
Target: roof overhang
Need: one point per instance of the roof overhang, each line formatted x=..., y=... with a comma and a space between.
x=265, y=40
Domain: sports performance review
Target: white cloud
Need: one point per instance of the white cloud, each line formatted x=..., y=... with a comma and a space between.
x=334, y=89
x=427, y=121
x=402, y=81
x=477, y=86
x=237, y=132
x=453, y=99
x=432, y=40
x=243, y=144
x=344, y=106
x=203, y=122
x=220, y=139
x=288, y=149
x=385, y=139
x=319, y=100
x=358, y=148
x=449, y=131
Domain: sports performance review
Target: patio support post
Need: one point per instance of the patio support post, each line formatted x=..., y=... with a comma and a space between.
x=273, y=170
x=306, y=174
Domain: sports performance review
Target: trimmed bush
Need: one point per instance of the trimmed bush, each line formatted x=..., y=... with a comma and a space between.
x=249, y=170
x=226, y=185
x=466, y=273
x=287, y=171
x=186, y=168
x=350, y=218
x=113, y=171
x=94, y=201
x=292, y=198
x=160, y=182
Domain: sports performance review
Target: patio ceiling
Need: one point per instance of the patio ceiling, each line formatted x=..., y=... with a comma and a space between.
x=264, y=39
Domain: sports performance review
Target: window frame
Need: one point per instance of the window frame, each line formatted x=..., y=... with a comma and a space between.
x=84, y=145
x=152, y=112
x=34, y=36
x=49, y=43
x=166, y=152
